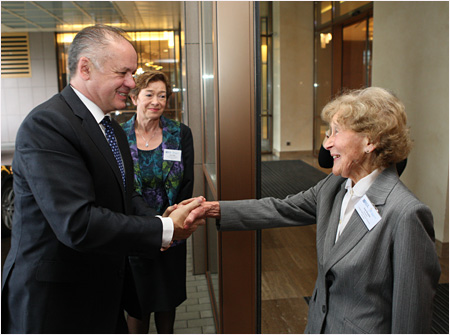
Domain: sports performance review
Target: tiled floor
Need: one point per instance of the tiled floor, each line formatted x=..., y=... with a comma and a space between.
x=194, y=316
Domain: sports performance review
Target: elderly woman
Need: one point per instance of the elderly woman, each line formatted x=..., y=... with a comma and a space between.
x=163, y=157
x=377, y=264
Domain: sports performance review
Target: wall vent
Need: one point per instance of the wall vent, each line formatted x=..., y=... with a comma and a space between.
x=15, y=55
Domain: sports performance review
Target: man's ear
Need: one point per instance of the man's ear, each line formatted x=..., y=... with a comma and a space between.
x=84, y=68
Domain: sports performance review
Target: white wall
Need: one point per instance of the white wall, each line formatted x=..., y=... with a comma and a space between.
x=21, y=95
x=293, y=44
x=410, y=57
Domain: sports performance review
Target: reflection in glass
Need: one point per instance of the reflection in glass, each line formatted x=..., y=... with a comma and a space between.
x=212, y=261
x=157, y=50
x=344, y=7
x=356, y=55
x=213, y=256
x=208, y=90
x=322, y=83
x=209, y=136
x=369, y=53
x=266, y=77
x=323, y=12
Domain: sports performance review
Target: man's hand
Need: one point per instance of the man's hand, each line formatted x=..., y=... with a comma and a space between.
x=207, y=209
x=179, y=215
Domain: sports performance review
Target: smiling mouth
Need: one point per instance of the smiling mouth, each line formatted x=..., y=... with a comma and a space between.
x=336, y=157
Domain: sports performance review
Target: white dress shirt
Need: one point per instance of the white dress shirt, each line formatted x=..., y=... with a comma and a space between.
x=353, y=195
x=97, y=113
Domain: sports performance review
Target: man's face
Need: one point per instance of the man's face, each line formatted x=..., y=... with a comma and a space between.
x=110, y=84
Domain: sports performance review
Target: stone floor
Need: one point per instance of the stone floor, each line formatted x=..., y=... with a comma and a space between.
x=194, y=316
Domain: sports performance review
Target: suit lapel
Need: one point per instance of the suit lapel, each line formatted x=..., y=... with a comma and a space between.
x=352, y=234
x=93, y=130
x=356, y=228
x=333, y=223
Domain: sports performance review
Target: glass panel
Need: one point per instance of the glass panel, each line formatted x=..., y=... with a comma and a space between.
x=323, y=82
x=354, y=55
x=266, y=76
x=368, y=57
x=209, y=116
x=344, y=7
x=212, y=252
x=156, y=50
x=324, y=12
x=209, y=142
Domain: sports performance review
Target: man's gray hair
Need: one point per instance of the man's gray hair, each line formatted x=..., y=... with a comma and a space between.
x=92, y=42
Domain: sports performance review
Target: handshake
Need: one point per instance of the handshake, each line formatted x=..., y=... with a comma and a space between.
x=189, y=214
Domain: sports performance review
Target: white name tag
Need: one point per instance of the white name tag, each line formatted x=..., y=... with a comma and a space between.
x=172, y=155
x=367, y=212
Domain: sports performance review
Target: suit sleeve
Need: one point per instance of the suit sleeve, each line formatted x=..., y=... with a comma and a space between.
x=416, y=272
x=295, y=210
x=187, y=147
x=140, y=207
x=57, y=164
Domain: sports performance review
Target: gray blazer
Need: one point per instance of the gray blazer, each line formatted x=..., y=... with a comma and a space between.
x=378, y=281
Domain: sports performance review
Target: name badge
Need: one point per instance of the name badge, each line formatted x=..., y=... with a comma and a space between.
x=367, y=212
x=172, y=155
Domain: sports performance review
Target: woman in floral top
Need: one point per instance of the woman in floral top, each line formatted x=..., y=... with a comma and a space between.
x=163, y=156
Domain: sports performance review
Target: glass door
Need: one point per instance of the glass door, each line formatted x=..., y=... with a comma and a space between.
x=342, y=53
x=265, y=27
x=322, y=81
x=357, y=54
x=210, y=148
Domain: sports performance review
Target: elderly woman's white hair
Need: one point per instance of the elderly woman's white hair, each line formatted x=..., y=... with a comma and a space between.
x=378, y=114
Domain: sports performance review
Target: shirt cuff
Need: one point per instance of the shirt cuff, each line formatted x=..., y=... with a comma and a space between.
x=167, y=234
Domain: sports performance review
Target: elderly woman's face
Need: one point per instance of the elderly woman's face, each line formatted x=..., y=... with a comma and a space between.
x=350, y=151
x=151, y=101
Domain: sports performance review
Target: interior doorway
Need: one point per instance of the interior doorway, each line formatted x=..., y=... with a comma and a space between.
x=342, y=53
x=266, y=33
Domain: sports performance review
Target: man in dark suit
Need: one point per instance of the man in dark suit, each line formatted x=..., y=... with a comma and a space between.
x=76, y=217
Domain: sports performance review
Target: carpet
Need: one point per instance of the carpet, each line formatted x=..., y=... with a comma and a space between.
x=281, y=178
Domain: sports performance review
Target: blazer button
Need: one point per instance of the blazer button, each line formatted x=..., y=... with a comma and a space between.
x=324, y=309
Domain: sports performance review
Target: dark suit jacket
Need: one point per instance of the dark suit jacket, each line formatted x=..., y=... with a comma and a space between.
x=377, y=281
x=73, y=224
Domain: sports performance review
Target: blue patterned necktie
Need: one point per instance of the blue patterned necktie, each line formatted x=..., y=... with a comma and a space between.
x=109, y=131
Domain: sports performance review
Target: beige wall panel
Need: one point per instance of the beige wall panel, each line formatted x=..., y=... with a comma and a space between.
x=410, y=57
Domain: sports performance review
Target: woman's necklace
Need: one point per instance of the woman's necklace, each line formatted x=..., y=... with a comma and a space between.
x=151, y=138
